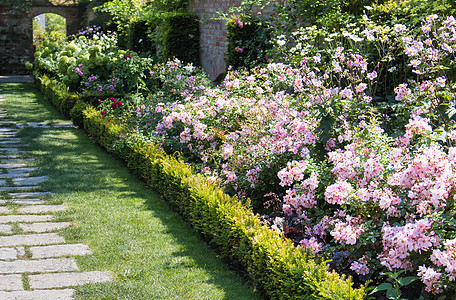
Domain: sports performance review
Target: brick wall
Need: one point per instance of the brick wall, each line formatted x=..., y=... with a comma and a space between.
x=16, y=34
x=213, y=34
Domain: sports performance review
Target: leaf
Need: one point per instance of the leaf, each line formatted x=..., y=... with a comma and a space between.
x=407, y=280
x=382, y=287
x=393, y=294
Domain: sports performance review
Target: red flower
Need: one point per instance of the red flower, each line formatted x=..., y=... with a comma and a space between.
x=103, y=112
x=114, y=105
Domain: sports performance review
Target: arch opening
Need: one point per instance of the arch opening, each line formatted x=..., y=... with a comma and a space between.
x=49, y=25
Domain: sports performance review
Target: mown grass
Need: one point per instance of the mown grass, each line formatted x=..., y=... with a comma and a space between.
x=133, y=233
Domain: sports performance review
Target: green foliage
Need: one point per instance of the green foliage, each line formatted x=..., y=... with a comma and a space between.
x=139, y=38
x=179, y=36
x=247, y=43
x=76, y=113
x=276, y=266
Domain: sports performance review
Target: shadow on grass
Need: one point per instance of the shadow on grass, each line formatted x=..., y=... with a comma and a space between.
x=133, y=233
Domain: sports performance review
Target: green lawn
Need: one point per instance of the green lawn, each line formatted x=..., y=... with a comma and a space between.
x=151, y=253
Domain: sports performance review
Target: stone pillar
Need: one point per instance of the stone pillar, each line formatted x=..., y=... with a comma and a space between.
x=213, y=34
x=16, y=41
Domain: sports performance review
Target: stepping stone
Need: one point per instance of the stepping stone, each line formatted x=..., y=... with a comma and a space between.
x=10, y=150
x=38, y=266
x=10, y=141
x=2, y=182
x=16, y=160
x=60, y=250
x=12, y=166
x=66, y=294
x=9, y=122
x=6, y=129
x=36, y=209
x=31, y=240
x=18, y=188
x=60, y=280
x=25, y=218
x=30, y=180
x=14, y=145
x=10, y=156
x=15, y=173
x=37, y=124
x=64, y=124
x=5, y=228
x=31, y=201
x=11, y=253
x=43, y=227
x=29, y=194
x=11, y=283
x=4, y=210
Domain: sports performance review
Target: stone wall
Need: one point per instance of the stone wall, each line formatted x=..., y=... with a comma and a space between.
x=213, y=34
x=16, y=34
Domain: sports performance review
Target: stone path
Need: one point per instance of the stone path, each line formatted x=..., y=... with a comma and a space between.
x=35, y=262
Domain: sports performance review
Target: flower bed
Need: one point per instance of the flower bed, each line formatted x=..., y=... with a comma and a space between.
x=365, y=184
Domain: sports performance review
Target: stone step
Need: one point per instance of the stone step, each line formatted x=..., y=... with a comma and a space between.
x=6, y=229
x=4, y=210
x=66, y=294
x=60, y=250
x=36, y=209
x=11, y=253
x=14, y=145
x=16, y=160
x=29, y=194
x=25, y=201
x=38, y=266
x=12, y=166
x=43, y=227
x=12, y=173
x=11, y=282
x=10, y=141
x=60, y=280
x=31, y=240
x=25, y=218
x=18, y=188
x=30, y=180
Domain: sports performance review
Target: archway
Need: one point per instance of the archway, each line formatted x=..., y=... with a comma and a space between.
x=16, y=32
x=49, y=25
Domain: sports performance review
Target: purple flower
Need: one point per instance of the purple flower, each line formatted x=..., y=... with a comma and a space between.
x=238, y=49
x=110, y=87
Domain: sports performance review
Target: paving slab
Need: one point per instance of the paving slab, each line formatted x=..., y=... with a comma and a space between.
x=60, y=250
x=31, y=240
x=29, y=194
x=16, y=160
x=43, y=227
x=14, y=145
x=66, y=294
x=10, y=155
x=18, y=188
x=30, y=180
x=26, y=201
x=11, y=253
x=60, y=280
x=12, y=173
x=6, y=229
x=36, y=209
x=2, y=182
x=11, y=283
x=25, y=218
x=4, y=210
x=11, y=166
x=38, y=266
x=10, y=141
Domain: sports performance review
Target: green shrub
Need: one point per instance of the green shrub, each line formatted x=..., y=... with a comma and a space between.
x=76, y=113
x=180, y=37
x=139, y=39
x=247, y=43
x=67, y=104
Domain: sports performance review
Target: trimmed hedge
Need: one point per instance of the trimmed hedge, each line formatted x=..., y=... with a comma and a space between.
x=275, y=265
x=180, y=37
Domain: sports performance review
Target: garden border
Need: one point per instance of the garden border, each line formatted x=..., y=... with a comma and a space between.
x=274, y=264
